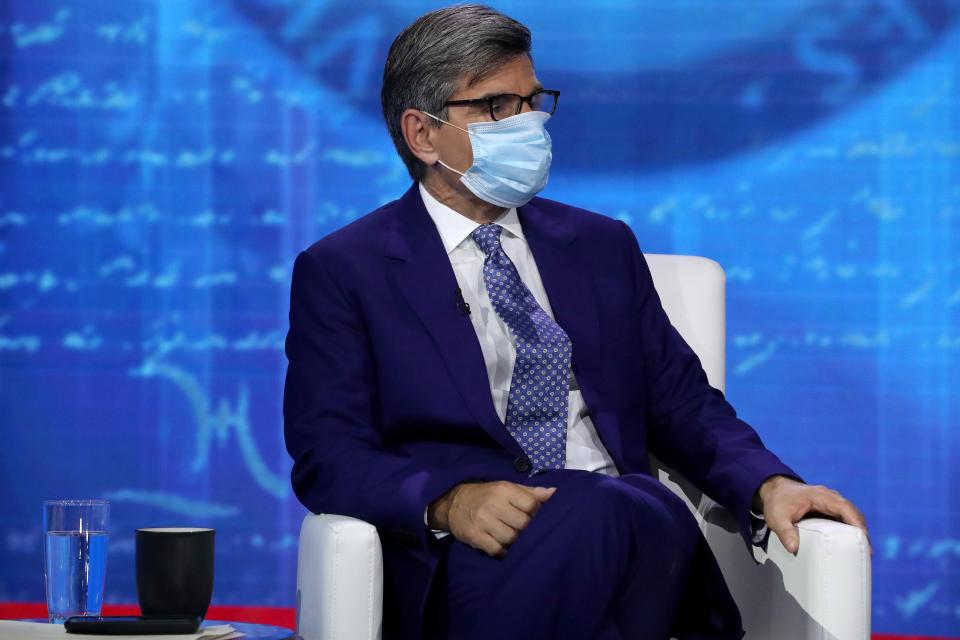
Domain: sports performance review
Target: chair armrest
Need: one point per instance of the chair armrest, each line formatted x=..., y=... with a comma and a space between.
x=339, y=579
x=823, y=592
x=829, y=578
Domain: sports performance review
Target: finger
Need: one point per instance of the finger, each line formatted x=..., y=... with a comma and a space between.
x=840, y=507
x=486, y=543
x=526, y=499
x=540, y=493
x=790, y=538
x=787, y=532
x=544, y=493
x=782, y=518
x=501, y=532
x=837, y=506
x=512, y=516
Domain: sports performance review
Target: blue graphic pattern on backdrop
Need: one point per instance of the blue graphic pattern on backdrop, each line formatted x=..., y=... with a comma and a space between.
x=161, y=164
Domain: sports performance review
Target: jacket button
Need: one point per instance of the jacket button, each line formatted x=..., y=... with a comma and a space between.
x=521, y=464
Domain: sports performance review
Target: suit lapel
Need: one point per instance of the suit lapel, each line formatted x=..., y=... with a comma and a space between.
x=572, y=294
x=425, y=278
x=569, y=288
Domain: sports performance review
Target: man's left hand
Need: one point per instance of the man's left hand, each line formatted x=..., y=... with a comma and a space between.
x=784, y=502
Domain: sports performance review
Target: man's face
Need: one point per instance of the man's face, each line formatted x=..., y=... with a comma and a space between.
x=516, y=76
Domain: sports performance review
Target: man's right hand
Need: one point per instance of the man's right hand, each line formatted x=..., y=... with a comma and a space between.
x=487, y=515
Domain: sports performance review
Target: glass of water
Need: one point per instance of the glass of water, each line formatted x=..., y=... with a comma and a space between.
x=76, y=556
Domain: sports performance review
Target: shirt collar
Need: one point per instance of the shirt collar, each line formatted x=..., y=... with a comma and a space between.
x=454, y=228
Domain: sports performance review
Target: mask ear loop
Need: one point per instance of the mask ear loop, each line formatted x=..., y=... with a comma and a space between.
x=445, y=122
x=439, y=161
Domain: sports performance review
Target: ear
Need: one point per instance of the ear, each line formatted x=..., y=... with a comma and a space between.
x=417, y=128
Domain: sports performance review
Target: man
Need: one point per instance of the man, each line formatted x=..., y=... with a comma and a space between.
x=482, y=375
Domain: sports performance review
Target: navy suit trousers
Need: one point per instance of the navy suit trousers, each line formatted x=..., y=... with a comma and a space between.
x=605, y=558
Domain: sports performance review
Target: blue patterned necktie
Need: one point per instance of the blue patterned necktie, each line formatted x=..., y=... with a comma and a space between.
x=537, y=403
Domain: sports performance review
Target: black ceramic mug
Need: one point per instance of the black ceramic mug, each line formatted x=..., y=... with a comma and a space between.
x=174, y=571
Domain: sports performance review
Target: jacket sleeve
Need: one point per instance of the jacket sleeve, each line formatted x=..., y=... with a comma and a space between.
x=691, y=425
x=330, y=412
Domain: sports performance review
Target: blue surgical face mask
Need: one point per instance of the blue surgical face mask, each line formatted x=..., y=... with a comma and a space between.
x=511, y=158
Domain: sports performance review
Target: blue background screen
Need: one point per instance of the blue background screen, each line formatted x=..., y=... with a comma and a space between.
x=162, y=163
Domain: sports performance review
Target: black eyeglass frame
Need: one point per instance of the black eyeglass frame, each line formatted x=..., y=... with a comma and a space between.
x=521, y=101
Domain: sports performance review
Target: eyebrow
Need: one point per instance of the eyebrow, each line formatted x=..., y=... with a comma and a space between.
x=537, y=87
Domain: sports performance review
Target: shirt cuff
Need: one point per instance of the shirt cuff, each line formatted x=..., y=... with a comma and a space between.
x=438, y=533
x=758, y=524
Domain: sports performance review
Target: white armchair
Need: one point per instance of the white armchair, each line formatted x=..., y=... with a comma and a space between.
x=822, y=593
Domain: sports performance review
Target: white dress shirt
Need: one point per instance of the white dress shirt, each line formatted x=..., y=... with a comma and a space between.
x=585, y=450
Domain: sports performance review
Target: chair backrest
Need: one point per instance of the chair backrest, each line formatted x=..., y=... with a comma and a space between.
x=692, y=290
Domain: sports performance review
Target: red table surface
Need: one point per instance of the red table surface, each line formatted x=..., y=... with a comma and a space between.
x=276, y=616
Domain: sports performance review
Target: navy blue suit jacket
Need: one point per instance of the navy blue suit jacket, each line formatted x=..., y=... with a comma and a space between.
x=387, y=403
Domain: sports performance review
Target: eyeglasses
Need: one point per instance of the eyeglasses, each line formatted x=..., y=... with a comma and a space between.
x=505, y=105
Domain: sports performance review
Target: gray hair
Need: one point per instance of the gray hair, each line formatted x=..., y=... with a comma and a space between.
x=430, y=57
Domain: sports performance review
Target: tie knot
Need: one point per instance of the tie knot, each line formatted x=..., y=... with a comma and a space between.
x=487, y=237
